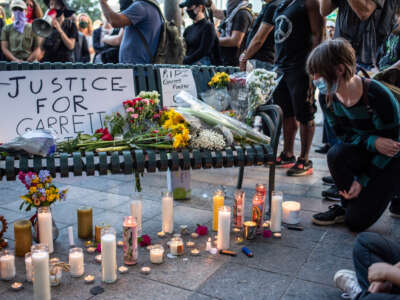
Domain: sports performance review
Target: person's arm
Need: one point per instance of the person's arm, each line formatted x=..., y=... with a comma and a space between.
x=235, y=40
x=116, y=20
x=114, y=40
x=37, y=10
x=240, y=25
x=258, y=40
x=35, y=49
x=384, y=272
x=363, y=8
x=68, y=42
x=395, y=66
x=326, y=7
x=7, y=53
x=316, y=22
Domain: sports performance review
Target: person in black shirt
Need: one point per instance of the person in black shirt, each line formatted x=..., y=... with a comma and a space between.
x=59, y=46
x=260, y=43
x=298, y=28
x=200, y=37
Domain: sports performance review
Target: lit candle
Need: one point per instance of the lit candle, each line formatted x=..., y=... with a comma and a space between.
x=7, y=265
x=258, y=207
x=136, y=212
x=22, y=237
x=98, y=228
x=76, y=262
x=218, y=201
x=108, y=255
x=156, y=254
x=45, y=227
x=276, y=211
x=85, y=222
x=176, y=246
x=224, y=227
x=28, y=266
x=129, y=232
x=291, y=212
x=238, y=208
x=41, y=279
x=167, y=212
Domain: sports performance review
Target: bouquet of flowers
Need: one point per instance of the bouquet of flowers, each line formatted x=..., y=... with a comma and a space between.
x=41, y=190
x=219, y=80
x=218, y=96
x=177, y=128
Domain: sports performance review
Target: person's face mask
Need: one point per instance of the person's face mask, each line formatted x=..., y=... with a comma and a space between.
x=322, y=85
x=191, y=13
x=83, y=24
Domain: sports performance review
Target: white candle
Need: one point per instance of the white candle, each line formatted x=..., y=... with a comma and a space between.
x=7, y=265
x=156, y=254
x=224, y=228
x=136, y=212
x=28, y=266
x=167, y=212
x=276, y=211
x=108, y=255
x=45, y=227
x=76, y=262
x=71, y=236
x=41, y=279
x=291, y=212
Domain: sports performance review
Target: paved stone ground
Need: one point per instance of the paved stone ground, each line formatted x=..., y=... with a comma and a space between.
x=299, y=266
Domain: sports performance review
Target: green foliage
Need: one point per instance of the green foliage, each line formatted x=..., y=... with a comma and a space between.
x=89, y=7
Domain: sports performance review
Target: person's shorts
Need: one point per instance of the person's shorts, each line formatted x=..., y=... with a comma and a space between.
x=295, y=96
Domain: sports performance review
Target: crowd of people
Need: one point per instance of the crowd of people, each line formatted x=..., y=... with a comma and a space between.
x=293, y=38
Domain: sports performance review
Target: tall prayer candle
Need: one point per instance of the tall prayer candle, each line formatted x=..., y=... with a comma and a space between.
x=41, y=279
x=7, y=265
x=224, y=227
x=45, y=227
x=129, y=232
x=136, y=212
x=76, y=262
x=22, y=237
x=71, y=236
x=108, y=255
x=167, y=212
x=28, y=266
x=276, y=211
x=218, y=201
x=85, y=222
x=238, y=208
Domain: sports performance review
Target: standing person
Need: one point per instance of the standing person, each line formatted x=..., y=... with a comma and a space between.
x=366, y=117
x=60, y=44
x=200, y=37
x=98, y=40
x=142, y=24
x=18, y=41
x=33, y=11
x=2, y=23
x=85, y=27
x=237, y=19
x=298, y=28
x=260, y=42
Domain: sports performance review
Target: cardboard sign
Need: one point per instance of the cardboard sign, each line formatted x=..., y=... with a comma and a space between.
x=67, y=101
x=175, y=80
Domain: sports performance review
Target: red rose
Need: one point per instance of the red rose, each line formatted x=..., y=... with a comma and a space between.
x=201, y=230
x=267, y=233
x=107, y=137
x=144, y=240
x=98, y=248
x=100, y=130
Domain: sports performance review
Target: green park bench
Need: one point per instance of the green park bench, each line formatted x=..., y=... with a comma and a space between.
x=147, y=78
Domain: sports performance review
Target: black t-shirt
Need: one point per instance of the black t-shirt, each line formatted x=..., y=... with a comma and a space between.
x=55, y=49
x=292, y=33
x=200, y=39
x=241, y=22
x=267, y=50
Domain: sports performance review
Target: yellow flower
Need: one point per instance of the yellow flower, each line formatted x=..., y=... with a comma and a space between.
x=58, y=196
x=36, y=202
x=35, y=180
x=26, y=199
x=178, y=141
x=32, y=189
x=40, y=186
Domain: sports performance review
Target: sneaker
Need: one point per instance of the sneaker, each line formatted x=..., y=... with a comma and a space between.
x=323, y=149
x=285, y=162
x=394, y=208
x=301, y=168
x=328, y=180
x=334, y=215
x=346, y=281
x=331, y=194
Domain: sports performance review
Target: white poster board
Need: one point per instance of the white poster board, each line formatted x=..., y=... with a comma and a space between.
x=67, y=101
x=175, y=80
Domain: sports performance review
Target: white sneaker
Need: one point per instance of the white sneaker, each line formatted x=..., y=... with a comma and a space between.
x=346, y=281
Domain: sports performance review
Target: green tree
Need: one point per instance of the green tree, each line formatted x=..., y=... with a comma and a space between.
x=91, y=7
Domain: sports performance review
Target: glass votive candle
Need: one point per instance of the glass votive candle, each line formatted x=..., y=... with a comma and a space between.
x=55, y=271
x=7, y=265
x=157, y=254
x=176, y=246
x=76, y=262
x=28, y=266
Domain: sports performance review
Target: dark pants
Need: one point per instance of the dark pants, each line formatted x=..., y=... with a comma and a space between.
x=346, y=162
x=371, y=248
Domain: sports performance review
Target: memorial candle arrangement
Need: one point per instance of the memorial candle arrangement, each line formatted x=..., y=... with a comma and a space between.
x=85, y=222
x=76, y=262
x=291, y=212
x=136, y=212
x=7, y=265
x=108, y=255
x=130, y=237
x=22, y=237
x=218, y=201
x=167, y=212
x=276, y=211
x=45, y=227
x=238, y=208
x=28, y=266
x=224, y=227
x=157, y=254
x=41, y=280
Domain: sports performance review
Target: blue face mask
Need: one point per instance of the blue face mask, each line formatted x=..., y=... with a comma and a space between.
x=322, y=85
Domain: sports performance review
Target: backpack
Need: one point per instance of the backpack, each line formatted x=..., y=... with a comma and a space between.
x=170, y=49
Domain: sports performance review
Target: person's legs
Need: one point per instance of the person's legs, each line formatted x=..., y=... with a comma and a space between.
x=289, y=126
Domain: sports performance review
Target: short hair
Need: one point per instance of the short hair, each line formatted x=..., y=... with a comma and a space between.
x=324, y=59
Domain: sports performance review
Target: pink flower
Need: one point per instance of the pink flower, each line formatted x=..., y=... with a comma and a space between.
x=267, y=233
x=134, y=116
x=144, y=240
x=98, y=248
x=201, y=230
x=130, y=109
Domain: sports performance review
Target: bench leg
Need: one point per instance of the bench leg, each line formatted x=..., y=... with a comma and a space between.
x=271, y=185
x=240, y=178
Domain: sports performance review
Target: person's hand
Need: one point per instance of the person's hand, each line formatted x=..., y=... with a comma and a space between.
x=353, y=192
x=397, y=265
x=243, y=61
x=56, y=24
x=380, y=287
x=387, y=146
x=17, y=60
x=378, y=272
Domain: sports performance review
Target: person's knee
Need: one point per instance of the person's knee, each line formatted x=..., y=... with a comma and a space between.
x=365, y=242
x=335, y=154
x=356, y=222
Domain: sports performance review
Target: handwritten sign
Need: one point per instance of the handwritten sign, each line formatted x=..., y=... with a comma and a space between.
x=175, y=80
x=67, y=101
